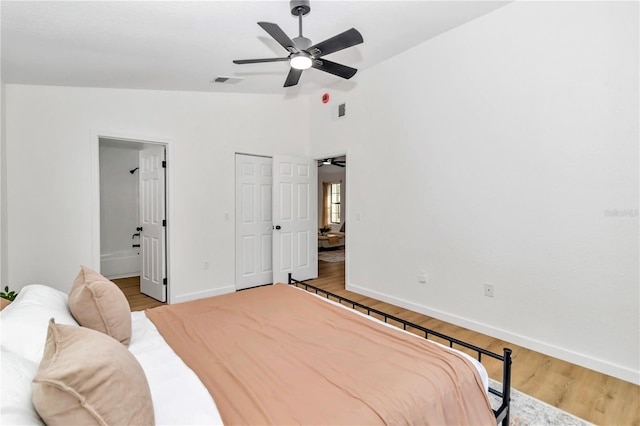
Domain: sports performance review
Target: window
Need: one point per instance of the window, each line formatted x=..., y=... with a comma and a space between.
x=334, y=189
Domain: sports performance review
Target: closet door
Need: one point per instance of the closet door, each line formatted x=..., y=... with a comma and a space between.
x=253, y=221
x=295, y=236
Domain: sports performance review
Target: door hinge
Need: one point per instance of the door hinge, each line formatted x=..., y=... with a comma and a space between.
x=164, y=164
x=164, y=281
x=164, y=222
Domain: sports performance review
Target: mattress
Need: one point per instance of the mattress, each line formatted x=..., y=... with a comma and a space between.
x=174, y=384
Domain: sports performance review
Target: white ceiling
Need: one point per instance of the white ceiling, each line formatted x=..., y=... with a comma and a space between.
x=184, y=45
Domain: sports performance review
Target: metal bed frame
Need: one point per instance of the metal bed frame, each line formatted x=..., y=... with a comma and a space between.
x=502, y=412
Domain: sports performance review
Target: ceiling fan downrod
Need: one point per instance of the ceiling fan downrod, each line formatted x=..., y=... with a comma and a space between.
x=300, y=8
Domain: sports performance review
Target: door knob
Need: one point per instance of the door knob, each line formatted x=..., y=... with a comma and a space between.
x=139, y=228
x=278, y=227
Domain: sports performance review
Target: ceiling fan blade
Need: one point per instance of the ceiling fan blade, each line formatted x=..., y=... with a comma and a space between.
x=293, y=77
x=278, y=35
x=256, y=61
x=334, y=68
x=341, y=41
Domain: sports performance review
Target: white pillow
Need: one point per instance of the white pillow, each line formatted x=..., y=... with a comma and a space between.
x=24, y=323
x=17, y=373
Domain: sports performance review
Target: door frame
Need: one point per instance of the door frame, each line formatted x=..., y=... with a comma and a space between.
x=95, y=194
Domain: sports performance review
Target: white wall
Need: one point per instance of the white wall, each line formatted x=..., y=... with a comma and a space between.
x=52, y=152
x=513, y=142
x=118, y=199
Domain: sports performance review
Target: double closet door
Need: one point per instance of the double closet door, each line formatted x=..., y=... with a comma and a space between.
x=276, y=219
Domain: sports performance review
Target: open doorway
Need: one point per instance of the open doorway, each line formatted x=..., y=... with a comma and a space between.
x=332, y=201
x=132, y=185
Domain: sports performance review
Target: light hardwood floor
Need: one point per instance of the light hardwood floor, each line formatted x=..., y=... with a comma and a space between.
x=593, y=396
x=137, y=301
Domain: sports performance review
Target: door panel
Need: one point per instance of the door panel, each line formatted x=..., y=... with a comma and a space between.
x=303, y=248
x=248, y=250
x=294, y=201
x=253, y=221
x=266, y=249
x=152, y=215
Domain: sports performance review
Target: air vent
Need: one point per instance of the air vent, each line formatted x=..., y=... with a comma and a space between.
x=226, y=80
x=342, y=110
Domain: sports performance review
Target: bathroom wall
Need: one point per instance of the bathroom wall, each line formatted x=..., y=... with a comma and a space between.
x=118, y=198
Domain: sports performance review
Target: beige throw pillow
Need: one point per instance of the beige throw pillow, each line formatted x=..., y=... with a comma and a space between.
x=97, y=303
x=86, y=377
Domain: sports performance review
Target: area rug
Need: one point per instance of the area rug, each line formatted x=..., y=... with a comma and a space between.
x=331, y=255
x=529, y=411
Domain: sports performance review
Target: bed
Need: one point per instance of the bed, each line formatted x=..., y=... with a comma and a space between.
x=174, y=393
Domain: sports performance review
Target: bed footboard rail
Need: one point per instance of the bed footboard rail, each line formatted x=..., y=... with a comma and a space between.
x=502, y=412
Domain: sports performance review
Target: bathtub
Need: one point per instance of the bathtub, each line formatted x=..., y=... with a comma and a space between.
x=120, y=264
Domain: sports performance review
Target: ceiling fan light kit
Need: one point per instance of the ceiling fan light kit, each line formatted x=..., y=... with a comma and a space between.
x=301, y=61
x=302, y=53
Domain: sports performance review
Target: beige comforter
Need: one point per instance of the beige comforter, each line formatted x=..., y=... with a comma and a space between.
x=277, y=355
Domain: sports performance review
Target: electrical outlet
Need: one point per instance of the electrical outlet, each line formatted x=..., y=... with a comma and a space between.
x=205, y=266
x=422, y=276
x=489, y=290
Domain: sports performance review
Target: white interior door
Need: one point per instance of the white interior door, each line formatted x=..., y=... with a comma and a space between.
x=152, y=220
x=295, y=235
x=253, y=221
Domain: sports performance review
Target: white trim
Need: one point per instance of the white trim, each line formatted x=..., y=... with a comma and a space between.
x=602, y=366
x=202, y=294
x=254, y=155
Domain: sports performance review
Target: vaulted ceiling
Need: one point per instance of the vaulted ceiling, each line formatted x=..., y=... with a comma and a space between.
x=185, y=45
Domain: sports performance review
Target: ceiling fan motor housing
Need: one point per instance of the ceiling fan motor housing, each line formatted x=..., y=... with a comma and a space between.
x=299, y=7
x=302, y=43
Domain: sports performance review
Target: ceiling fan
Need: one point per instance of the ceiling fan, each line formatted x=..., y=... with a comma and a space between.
x=332, y=161
x=302, y=54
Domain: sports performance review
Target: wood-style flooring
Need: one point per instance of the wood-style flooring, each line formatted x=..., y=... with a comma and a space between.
x=595, y=397
x=131, y=289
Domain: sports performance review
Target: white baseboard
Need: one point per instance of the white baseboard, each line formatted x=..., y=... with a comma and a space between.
x=602, y=366
x=120, y=276
x=202, y=294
